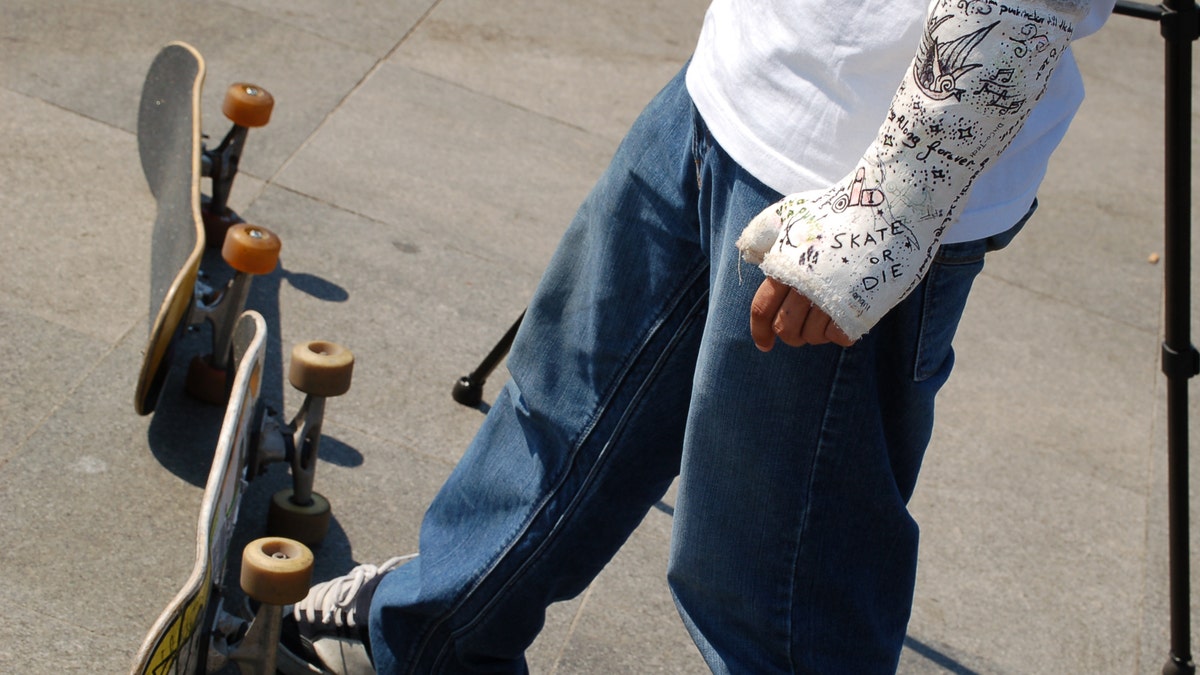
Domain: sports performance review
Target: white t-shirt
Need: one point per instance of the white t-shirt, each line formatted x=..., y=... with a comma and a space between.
x=795, y=92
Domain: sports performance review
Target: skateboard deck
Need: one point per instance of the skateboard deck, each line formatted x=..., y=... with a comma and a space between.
x=179, y=639
x=199, y=631
x=169, y=145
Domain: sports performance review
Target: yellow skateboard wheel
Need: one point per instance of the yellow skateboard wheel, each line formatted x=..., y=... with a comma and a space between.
x=321, y=368
x=248, y=105
x=308, y=524
x=276, y=571
x=251, y=249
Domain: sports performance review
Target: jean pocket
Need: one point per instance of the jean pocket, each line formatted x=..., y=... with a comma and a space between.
x=946, y=288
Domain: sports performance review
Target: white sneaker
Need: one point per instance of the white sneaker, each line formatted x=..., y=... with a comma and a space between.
x=326, y=632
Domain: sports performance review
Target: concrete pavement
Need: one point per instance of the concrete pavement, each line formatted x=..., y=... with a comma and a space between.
x=1042, y=503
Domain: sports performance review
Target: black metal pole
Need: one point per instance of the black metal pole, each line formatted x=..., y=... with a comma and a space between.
x=468, y=390
x=1179, y=357
x=1180, y=360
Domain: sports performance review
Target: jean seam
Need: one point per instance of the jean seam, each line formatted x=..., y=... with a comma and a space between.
x=930, y=305
x=804, y=523
x=697, y=274
x=927, y=299
x=599, y=465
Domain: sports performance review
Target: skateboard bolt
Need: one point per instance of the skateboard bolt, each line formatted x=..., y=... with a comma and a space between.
x=252, y=91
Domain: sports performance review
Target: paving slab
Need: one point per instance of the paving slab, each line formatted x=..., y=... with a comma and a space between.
x=423, y=158
x=90, y=58
x=1029, y=543
x=34, y=378
x=371, y=26
x=67, y=246
x=413, y=148
x=91, y=529
x=591, y=65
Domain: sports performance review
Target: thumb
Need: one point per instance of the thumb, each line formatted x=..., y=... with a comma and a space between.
x=760, y=235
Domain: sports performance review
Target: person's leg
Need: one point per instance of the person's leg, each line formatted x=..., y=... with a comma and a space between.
x=586, y=436
x=793, y=550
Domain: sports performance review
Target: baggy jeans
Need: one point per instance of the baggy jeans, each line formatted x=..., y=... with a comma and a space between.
x=792, y=548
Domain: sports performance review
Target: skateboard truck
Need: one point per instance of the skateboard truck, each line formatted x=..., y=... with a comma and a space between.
x=320, y=370
x=249, y=250
x=247, y=106
x=275, y=572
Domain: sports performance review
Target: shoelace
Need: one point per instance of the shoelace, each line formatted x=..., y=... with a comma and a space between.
x=334, y=600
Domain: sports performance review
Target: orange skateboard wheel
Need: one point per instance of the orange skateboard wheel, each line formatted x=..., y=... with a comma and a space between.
x=248, y=105
x=321, y=368
x=276, y=571
x=251, y=249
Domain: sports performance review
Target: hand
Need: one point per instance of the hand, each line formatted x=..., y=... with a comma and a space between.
x=778, y=310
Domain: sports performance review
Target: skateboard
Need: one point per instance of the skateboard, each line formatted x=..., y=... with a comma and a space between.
x=200, y=631
x=174, y=159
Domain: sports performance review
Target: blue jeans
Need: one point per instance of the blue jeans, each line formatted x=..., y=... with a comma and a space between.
x=793, y=550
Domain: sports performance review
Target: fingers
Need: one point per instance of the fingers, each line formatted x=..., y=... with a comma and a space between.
x=763, y=309
x=797, y=321
x=778, y=310
x=836, y=336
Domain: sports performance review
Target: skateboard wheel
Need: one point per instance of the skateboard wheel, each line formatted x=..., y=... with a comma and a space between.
x=251, y=249
x=276, y=571
x=321, y=368
x=205, y=382
x=248, y=105
x=304, y=523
